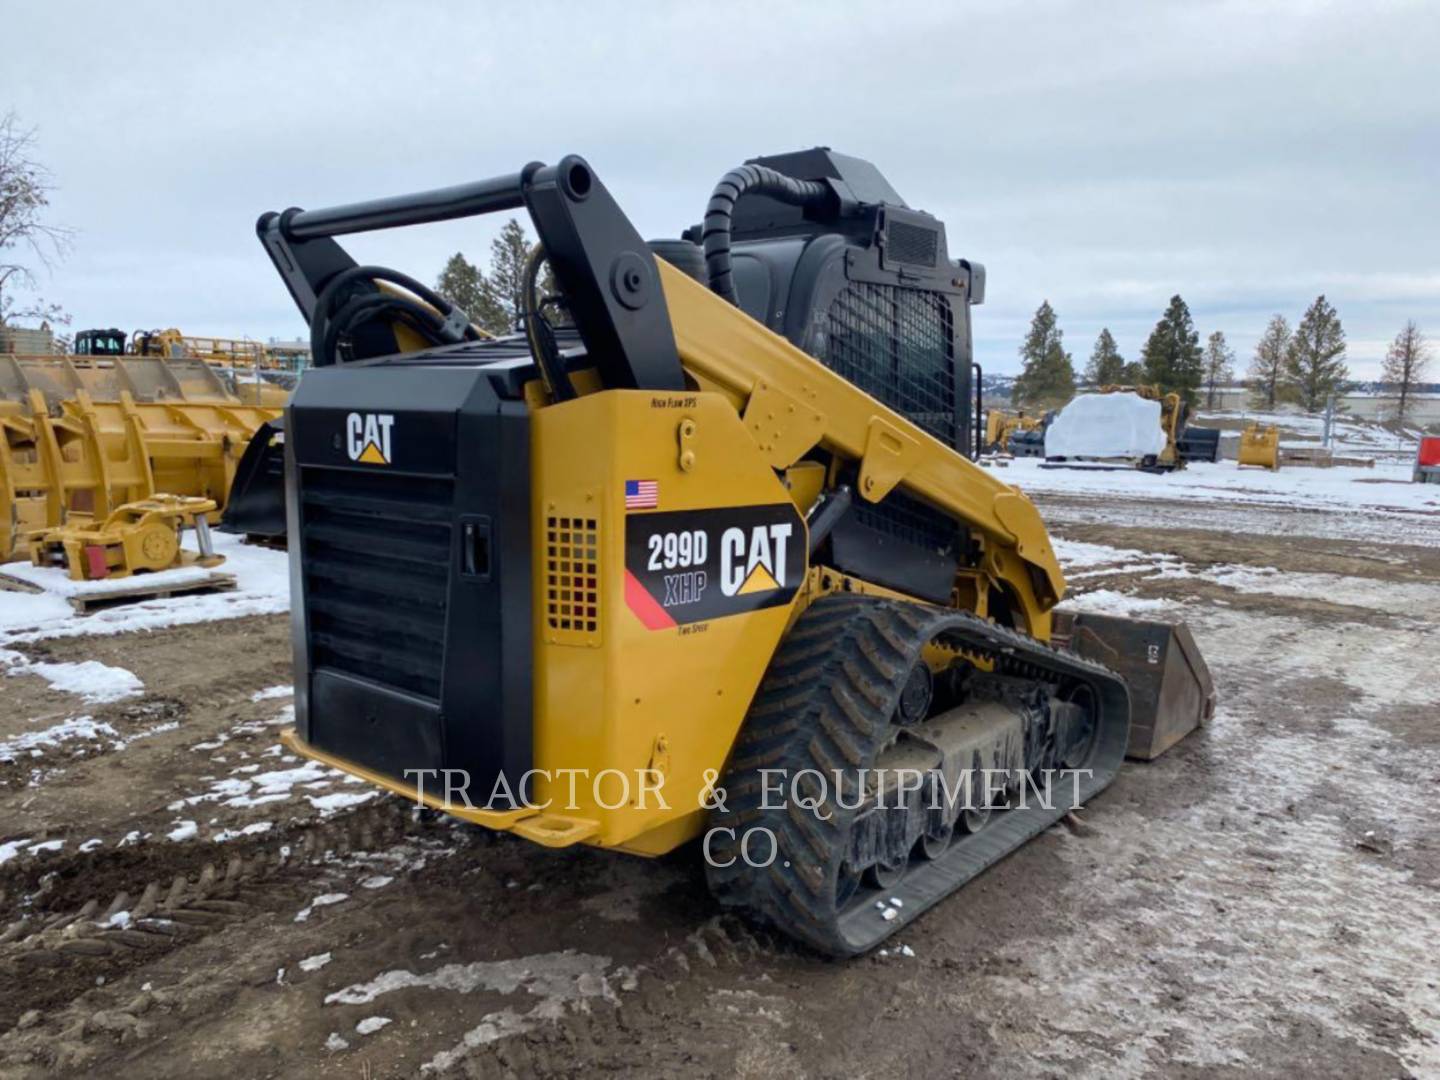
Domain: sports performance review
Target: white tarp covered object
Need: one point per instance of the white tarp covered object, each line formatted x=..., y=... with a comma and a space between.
x=1106, y=426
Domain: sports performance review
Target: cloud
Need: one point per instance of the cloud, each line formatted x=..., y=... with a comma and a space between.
x=1245, y=155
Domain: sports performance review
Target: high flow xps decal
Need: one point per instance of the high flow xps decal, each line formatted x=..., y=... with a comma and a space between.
x=686, y=566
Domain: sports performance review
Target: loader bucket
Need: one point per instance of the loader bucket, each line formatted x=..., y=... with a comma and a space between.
x=1171, y=692
x=1259, y=446
x=256, y=506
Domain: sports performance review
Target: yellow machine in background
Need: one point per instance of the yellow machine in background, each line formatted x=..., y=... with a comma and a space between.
x=1172, y=419
x=718, y=531
x=1260, y=446
x=171, y=344
x=143, y=536
x=82, y=436
x=1000, y=425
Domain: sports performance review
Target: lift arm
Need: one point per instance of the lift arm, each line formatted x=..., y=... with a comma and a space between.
x=791, y=402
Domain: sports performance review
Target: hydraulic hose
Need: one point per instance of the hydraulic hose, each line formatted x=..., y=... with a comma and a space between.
x=540, y=335
x=339, y=308
x=719, y=215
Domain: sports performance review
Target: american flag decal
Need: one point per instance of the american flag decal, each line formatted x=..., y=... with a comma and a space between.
x=642, y=494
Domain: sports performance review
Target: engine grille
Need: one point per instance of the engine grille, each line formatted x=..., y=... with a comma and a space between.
x=376, y=561
x=910, y=243
x=898, y=345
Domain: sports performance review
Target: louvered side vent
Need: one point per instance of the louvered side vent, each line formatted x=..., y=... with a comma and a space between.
x=376, y=562
x=910, y=243
x=572, y=580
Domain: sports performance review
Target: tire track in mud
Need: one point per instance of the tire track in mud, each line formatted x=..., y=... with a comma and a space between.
x=57, y=939
x=58, y=1018
x=129, y=721
x=83, y=986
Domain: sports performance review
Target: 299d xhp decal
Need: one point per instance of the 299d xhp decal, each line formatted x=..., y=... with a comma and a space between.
x=686, y=566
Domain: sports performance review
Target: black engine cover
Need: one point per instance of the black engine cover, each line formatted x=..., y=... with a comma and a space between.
x=408, y=507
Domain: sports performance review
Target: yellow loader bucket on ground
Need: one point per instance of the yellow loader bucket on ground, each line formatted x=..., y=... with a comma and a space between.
x=1260, y=446
x=1171, y=690
x=83, y=436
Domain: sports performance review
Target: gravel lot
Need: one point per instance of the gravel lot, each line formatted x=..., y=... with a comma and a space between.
x=179, y=897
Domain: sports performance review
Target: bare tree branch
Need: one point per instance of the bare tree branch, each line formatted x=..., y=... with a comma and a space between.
x=26, y=238
x=1407, y=362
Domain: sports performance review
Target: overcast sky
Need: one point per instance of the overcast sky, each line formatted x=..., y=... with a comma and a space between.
x=1102, y=155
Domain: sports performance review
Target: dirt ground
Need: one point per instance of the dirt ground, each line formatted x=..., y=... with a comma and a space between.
x=1264, y=900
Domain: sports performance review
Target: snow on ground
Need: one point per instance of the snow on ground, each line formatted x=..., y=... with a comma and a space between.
x=1076, y=555
x=1406, y=599
x=262, y=588
x=91, y=680
x=1349, y=436
x=1356, y=530
x=316, y=962
x=1111, y=602
x=34, y=743
x=283, y=718
x=10, y=848
x=1278, y=911
x=1384, y=491
x=246, y=787
x=58, y=737
x=1085, y=563
x=560, y=980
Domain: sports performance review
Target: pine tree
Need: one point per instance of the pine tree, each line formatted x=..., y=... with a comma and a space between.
x=508, y=254
x=1219, y=366
x=1048, y=377
x=1172, y=356
x=1132, y=374
x=1315, y=359
x=462, y=282
x=1406, y=363
x=494, y=300
x=1106, y=366
x=1267, y=367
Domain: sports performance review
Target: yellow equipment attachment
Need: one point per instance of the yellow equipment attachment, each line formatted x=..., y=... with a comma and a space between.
x=142, y=536
x=1259, y=446
x=85, y=435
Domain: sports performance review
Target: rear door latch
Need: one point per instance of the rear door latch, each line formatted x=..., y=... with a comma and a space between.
x=475, y=547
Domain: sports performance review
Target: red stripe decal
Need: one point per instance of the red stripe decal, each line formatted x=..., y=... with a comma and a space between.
x=645, y=607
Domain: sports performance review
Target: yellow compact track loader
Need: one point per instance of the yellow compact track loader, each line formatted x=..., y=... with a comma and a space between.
x=700, y=553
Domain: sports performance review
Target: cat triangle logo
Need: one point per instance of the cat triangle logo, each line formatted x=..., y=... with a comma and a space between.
x=752, y=560
x=371, y=455
x=367, y=437
x=760, y=580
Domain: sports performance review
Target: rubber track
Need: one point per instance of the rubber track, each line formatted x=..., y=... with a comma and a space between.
x=825, y=704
